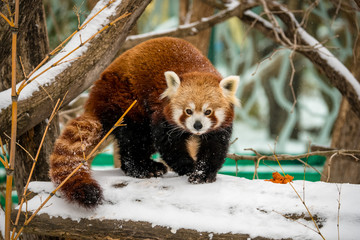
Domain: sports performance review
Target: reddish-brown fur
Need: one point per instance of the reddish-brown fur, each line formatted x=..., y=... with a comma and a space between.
x=70, y=149
x=138, y=74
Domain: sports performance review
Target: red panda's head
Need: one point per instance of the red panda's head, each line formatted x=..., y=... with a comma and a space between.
x=200, y=102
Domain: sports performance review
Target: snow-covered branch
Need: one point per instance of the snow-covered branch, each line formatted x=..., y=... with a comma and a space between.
x=297, y=39
x=292, y=35
x=76, y=75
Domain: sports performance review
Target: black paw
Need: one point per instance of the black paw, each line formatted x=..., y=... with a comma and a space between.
x=152, y=169
x=184, y=169
x=198, y=177
x=87, y=195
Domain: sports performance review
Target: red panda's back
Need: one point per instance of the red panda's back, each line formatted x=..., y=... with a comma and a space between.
x=139, y=73
x=147, y=62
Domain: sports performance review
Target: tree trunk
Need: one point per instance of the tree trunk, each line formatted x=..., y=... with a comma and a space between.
x=192, y=13
x=346, y=134
x=33, y=46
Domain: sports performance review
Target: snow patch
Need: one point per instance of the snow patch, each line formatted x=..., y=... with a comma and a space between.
x=2, y=223
x=230, y=205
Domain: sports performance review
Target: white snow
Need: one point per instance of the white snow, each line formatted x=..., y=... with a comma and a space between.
x=230, y=205
x=91, y=28
x=2, y=223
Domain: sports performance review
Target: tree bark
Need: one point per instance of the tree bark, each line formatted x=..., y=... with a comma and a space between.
x=84, y=70
x=32, y=32
x=198, y=10
x=125, y=230
x=346, y=133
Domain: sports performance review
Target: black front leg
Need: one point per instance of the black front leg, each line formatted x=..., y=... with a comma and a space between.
x=171, y=144
x=211, y=155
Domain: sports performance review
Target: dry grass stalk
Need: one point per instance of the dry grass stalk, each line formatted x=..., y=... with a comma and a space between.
x=302, y=201
x=281, y=157
x=10, y=169
x=117, y=124
x=338, y=213
x=10, y=22
x=295, y=220
x=4, y=160
x=55, y=110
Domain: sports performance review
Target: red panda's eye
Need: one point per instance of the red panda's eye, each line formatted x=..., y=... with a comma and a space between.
x=207, y=112
x=189, y=111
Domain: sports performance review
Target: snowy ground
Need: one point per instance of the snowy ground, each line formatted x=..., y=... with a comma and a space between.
x=235, y=205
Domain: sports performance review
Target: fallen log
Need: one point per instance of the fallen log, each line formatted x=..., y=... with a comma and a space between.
x=170, y=207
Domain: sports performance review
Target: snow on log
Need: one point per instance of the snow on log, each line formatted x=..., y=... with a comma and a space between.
x=171, y=208
x=86, y=64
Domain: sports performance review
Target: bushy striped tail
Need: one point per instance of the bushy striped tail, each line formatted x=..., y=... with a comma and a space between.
x=77, y=140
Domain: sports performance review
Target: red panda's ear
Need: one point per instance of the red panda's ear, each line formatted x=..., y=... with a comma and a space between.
x=173, y=83
x=229, y=85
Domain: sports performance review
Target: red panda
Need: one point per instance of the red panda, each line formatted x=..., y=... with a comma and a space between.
x=182, y=101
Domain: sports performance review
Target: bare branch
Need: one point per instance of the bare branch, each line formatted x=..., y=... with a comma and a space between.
x=192, y=28
x=282, y=157
x=297, y=39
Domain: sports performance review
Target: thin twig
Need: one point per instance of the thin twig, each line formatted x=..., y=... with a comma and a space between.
x=14, y=106
x=4, y=161
x=257, y=163
x=55, y=110
x=291, y=57
x=302, y=201
x=338, y=213
x=281, y=157
x=22, y=66
x=7, y=20
x=295, y=220
x=329, y=165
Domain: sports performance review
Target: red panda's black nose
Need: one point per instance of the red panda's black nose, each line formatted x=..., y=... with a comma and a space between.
x=198, y=125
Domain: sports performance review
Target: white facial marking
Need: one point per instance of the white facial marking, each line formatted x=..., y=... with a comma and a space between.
x=205, y=106
x=191, y=120
x=177, y=112
x=220, y=116
x=192, y=106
